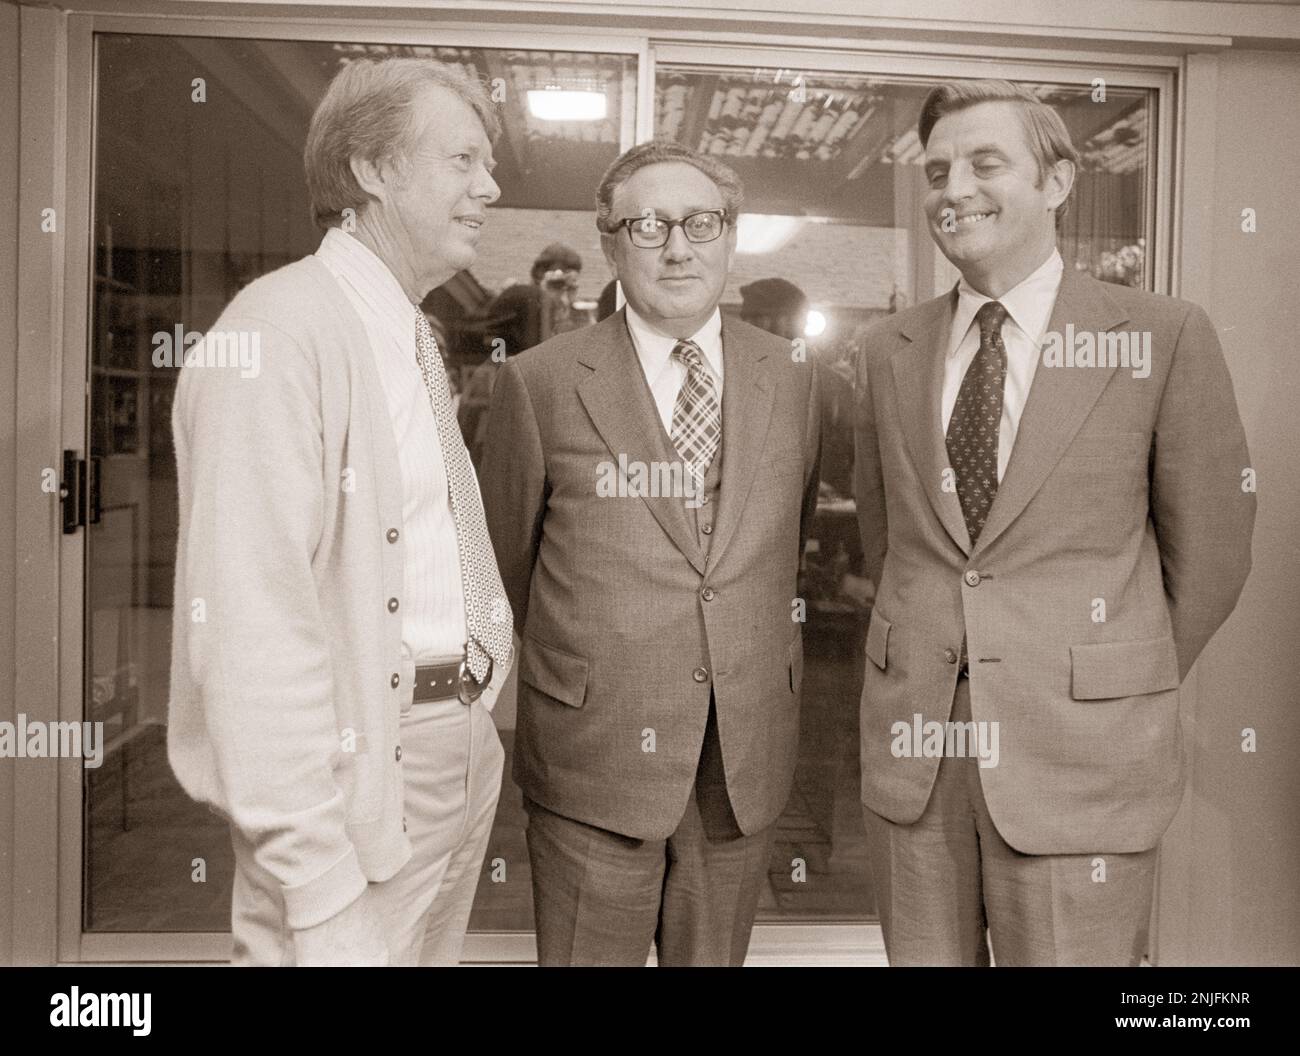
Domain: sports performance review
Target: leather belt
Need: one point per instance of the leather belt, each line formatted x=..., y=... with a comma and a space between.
x=443, y=681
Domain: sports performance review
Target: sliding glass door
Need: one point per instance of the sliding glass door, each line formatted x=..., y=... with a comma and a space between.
x=832, y=168
x=196, y=188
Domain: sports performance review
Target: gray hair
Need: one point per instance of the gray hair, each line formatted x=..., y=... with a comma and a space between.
x=656, y=152
x=366, y=113
x=1048, y=137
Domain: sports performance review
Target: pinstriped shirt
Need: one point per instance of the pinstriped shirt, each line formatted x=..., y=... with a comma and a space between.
x=433, y=602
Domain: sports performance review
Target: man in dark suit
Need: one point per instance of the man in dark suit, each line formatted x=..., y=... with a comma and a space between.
x=648, y=483
x=1055, y=502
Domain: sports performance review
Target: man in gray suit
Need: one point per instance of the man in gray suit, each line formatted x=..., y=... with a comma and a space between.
x=648, y=483
x=1056, y=503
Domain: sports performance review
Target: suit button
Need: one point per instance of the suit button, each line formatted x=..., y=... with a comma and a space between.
x=707, y=594
x=392, y=604
x=398, y=754
x=700, y=675
x=972, y=578
x=392, y=535
x=395, y=680
x=707, y=529
x=950, y=655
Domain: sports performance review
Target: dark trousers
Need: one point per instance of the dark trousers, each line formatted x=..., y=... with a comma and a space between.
x=601, y=898
x=948, y=879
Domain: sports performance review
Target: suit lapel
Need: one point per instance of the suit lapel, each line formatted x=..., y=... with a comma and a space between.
x=746, y=414
x=1060, y=398
x=623, y=412
x=918, y=377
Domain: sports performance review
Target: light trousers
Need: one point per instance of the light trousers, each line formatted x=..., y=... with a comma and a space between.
x=452, y=762
x=949, y=882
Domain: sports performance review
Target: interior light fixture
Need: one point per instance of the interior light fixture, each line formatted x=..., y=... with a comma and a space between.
x=764, y=233
x=564, y=104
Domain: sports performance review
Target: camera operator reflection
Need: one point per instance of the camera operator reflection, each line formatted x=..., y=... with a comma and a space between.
x=519, y=317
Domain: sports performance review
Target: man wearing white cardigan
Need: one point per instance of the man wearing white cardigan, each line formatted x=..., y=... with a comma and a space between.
x=340, y=629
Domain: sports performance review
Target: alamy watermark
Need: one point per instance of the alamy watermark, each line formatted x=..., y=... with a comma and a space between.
x=648, y=480
x=76, y=1009
x=1129, y=349
x=36, y=739
x=217, y=348
x=952, y=740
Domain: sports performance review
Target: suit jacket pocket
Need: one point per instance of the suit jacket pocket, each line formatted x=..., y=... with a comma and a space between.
x=554, y=672
x=1104, y=670
x=878, y=639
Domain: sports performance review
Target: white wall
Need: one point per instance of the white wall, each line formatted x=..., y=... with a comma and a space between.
x=1235, y=847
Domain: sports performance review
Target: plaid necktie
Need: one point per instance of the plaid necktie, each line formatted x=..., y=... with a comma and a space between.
x=697, y=418
x=487, y=612
x=976, y=418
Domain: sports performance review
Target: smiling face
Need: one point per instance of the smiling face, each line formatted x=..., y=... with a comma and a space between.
x=990, y=210
x=675, y=287
x=427, y=210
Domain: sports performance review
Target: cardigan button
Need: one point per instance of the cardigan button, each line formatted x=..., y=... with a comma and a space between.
x=392, y=604
x=392, y=535
x=395, y=680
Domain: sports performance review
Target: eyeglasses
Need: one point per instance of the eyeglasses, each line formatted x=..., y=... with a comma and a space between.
x=651, y=232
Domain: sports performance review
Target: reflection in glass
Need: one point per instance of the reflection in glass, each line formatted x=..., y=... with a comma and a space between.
x=195, y=198
x=833, y=177
x=198, y=190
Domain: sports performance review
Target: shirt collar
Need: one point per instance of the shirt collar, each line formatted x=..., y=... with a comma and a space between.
x=1028, y=303
x=374, y=283
x=654, y=350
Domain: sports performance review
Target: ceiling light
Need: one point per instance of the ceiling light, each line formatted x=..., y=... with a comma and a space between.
x=561, y=104
x=763, y=233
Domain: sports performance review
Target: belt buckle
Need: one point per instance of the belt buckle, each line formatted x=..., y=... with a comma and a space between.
x=468, y=688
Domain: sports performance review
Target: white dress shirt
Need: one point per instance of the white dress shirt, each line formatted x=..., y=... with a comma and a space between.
x=433, y=605
x=1029, y=309
x=664, y=374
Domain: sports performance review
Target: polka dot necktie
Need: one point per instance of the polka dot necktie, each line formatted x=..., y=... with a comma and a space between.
x=976, y=418
x=487, y=611
x=697, y=418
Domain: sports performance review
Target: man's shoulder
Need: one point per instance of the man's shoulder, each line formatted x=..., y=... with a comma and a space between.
x=1152, y=310
x=757, y=341
x=553, y=356
x=301, y=296
x=886, y=335
x=789, y=358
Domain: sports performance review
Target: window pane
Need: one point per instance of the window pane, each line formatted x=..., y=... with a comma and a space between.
x=199, y=189
x=832, y=169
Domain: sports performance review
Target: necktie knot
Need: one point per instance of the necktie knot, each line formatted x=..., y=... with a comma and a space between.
x=689, y=353
x=990, y=317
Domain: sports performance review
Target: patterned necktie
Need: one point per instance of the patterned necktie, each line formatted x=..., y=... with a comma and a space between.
x=697, y=418
x=976, y=418
x=487, y=612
